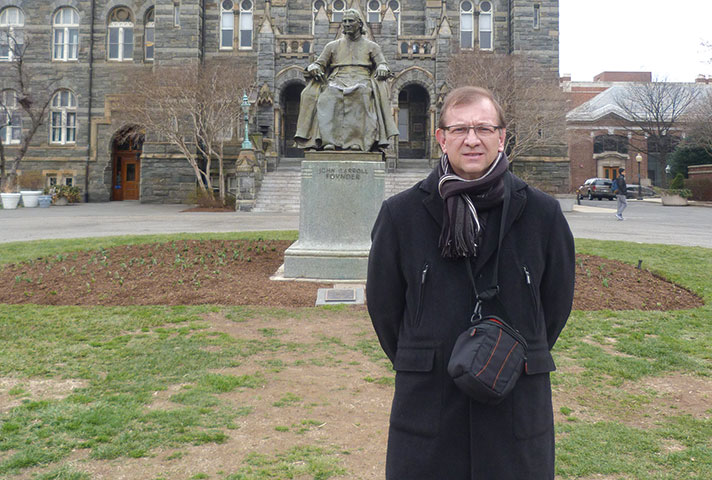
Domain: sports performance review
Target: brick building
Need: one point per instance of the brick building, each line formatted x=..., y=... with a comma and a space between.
x=601, y=137
x=87, y=51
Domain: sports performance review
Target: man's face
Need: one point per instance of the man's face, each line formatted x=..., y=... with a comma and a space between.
x=350, y=24
x=471, y=154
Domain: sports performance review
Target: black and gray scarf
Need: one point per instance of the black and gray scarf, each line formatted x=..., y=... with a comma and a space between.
x=462, y=227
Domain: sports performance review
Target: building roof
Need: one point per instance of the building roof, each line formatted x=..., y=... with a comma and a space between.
x=607, y=102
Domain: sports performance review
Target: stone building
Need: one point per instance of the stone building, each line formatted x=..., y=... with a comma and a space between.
x=85, y=52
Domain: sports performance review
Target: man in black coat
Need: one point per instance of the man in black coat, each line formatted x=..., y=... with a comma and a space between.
x=420, y=299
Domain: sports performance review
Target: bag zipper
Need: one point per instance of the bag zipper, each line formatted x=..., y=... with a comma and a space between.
x=509, y=329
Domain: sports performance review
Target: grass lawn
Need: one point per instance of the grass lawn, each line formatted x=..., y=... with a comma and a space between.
x=257, y=393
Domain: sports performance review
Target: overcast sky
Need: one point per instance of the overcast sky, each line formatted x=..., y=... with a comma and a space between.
x=663, y=37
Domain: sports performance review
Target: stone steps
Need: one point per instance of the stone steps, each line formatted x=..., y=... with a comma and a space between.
x=280, y=191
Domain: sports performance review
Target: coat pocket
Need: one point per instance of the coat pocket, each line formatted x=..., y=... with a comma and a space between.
x=418, y=397
x=421, y=293
x=532, y=292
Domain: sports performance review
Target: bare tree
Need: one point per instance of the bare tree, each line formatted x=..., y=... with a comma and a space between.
x=33, y=101
x=196, y=108
x=699, y=127
x=657, y=111
x=533, y=103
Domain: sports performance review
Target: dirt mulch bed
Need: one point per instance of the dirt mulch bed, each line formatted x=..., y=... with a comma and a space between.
x=236, y=272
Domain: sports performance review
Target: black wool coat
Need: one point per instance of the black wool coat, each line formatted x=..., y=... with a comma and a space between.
x=420, y=302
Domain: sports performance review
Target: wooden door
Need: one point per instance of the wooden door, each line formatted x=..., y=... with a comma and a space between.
x=127, y=175
x=610, y=172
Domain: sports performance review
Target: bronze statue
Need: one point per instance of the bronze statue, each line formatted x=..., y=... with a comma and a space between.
x=345, y=103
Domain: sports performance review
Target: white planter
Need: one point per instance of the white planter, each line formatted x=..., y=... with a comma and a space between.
x=45, y=201
x=30, y=198
x=10, y=200
x=673, y=200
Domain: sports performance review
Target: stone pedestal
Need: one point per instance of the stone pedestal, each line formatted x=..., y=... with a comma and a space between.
x=341, y=195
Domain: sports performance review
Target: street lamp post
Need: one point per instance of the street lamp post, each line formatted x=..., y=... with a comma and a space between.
x=639, y=159
x=245, y=105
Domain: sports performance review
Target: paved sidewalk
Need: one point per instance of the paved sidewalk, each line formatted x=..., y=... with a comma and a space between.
x=129, y=218
x=645, y=222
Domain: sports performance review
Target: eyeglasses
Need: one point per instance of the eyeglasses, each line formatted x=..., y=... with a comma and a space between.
x=482, y=131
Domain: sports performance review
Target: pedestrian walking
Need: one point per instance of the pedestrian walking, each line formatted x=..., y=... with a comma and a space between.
x=620, y=189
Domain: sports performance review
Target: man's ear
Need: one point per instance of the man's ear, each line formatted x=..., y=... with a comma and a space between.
x=440, y=137
x=502, y=138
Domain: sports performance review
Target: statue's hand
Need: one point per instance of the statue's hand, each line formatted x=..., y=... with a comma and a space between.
x=316, y=71
x=382, y=72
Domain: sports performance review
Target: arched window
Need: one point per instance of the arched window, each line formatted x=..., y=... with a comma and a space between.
x=394, y=5
x=149, y=36
x=11, y=35
x=337, y=10
x=374, y=11
x=316, y=6
x=467, y=10
x=227, y=25
x=10, y=117
x=246, y=24
x=120, y=40
x=485, y=25
x=63, y=118
x=65, y=39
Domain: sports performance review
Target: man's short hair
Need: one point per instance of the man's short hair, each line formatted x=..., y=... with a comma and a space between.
x=621, y=169
x=467, y=96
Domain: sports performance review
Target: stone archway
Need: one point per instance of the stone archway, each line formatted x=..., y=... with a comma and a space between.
x=126, y=149
x=290, y=100
x=413, y=122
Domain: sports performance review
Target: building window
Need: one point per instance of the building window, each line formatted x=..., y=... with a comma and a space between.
x=246, y=24
x=11, y=35
x=467, y=10
x=149, y=38
x=227, y=25
x=316, y=6
x=610, y=143
x=394, y=5
x=120, y=37
x=65, y=39
x=537, y=16
x=374, y=11
x=10, y=118
x=176, y=14
x=63, y=118
x=485, y=25
x=337, y=10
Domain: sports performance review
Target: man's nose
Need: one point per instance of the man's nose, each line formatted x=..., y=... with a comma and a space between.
x=471, y=137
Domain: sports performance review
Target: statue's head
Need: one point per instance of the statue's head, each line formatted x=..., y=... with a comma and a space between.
x=352, y=20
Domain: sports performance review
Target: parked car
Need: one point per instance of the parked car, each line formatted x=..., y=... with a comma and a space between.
x=596, y=188
x=632, y=191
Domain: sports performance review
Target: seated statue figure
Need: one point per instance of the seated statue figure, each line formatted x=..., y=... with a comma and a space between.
x=345, y=103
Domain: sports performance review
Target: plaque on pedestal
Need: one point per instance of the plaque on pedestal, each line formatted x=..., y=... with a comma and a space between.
x=340, y=199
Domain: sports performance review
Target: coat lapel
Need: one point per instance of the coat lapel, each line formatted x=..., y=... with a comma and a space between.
x=518, y=200
x=433, y=203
